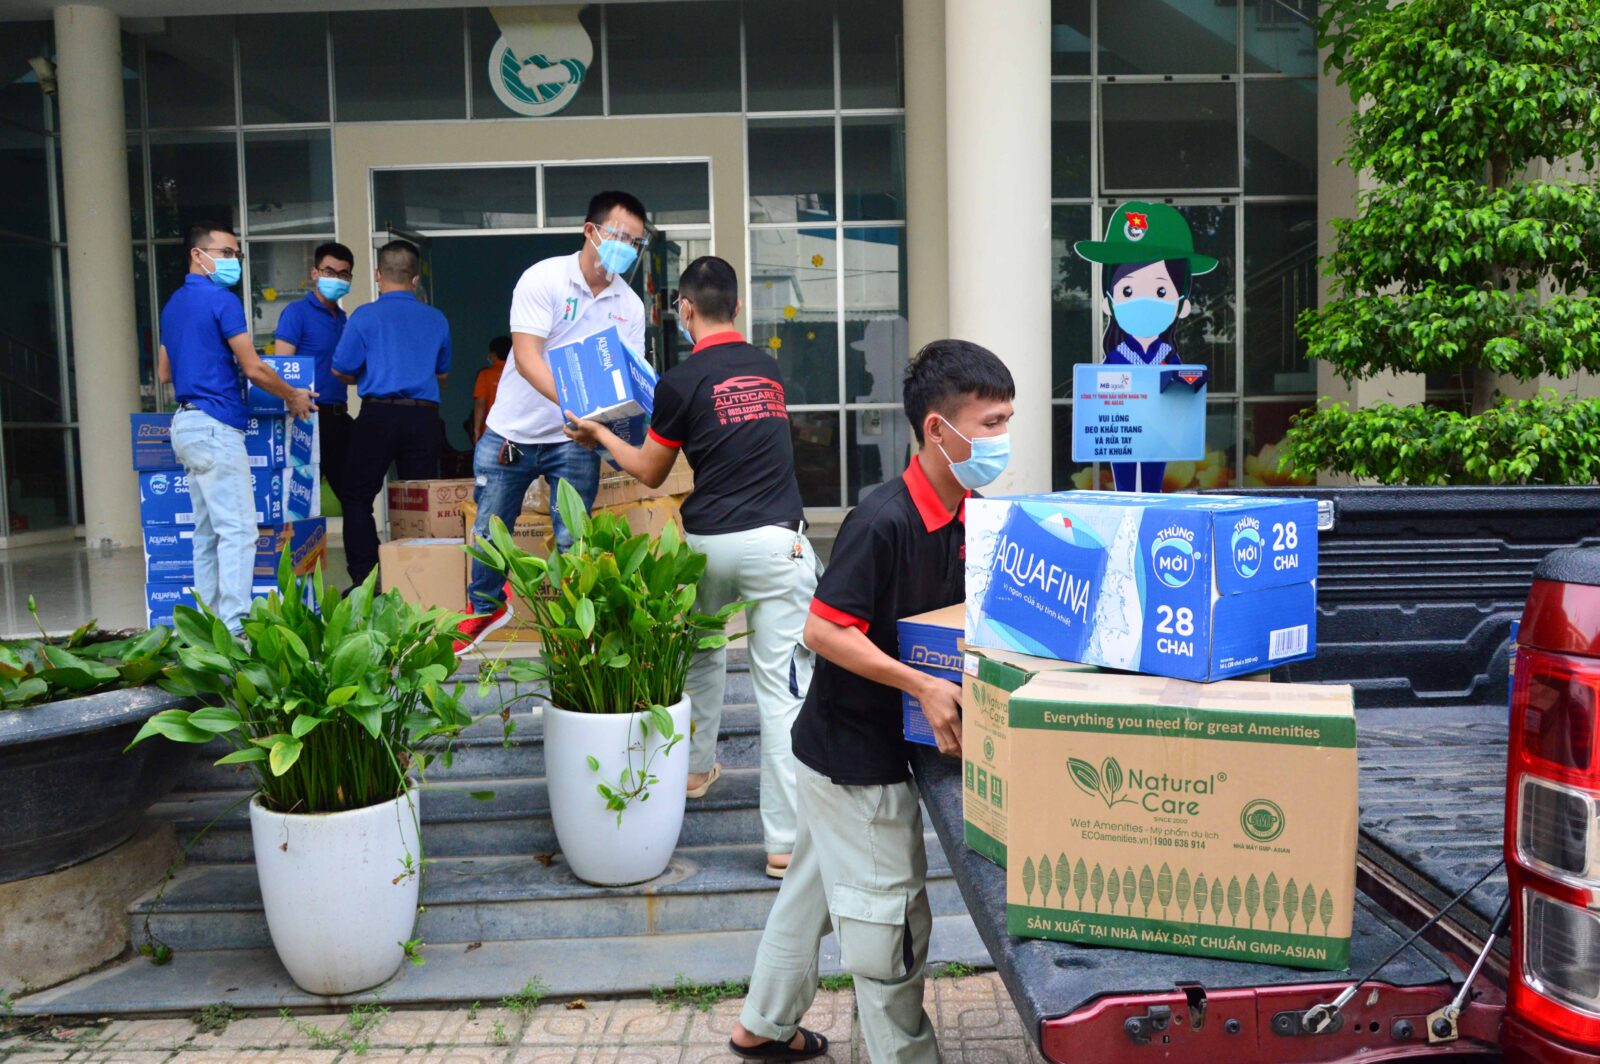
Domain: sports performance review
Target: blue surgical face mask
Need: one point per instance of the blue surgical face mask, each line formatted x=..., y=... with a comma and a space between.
x=1145, y=317
x=684, y=334
x=990, y=455
x=332, y=288
x=227, y=272
x=616, y=256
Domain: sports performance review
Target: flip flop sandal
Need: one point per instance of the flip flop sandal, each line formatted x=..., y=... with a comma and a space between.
x=700, y=791
x=815, y=1045
x=777, y=871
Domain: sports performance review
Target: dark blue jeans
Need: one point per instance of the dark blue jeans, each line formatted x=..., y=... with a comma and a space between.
x=499, y=490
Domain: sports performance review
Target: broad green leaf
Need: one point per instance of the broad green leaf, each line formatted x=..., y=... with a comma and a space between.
x=283, y=755
x=215, y=719
x=240, y=757
x=303, y=724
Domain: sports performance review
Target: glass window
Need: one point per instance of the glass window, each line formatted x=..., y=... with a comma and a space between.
x=1069, y=37
x=1169, y=136
x=1072, y=304
x=289, y=182
x=137, y=220
x=791, y=170
x=1169, y=37
x=879, y=448
x=876, y=348
x=283, y=67
x=132, y=104
x=395, y=65
x=145, y=327
x=1070, y=130
x=172, y=265
x=549, y=84
x=871, y=66
x=30, y=387
x=193, y=176
x=1264, y=428
x=280, y=273
x=37, y=480
x=789, y=55
x=1280, y=281
x=1280, y=137
x=189, y=72
x=816, y=456
x=794, y=308
x=673, y=193
x=1281, y=37
x=680, y=57
x=874, y=169
x=483, y=197
x=20, y=99
x=24, y=182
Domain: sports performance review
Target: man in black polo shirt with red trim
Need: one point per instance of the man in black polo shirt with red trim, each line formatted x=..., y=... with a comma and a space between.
x=859, y=864
x=724, y=409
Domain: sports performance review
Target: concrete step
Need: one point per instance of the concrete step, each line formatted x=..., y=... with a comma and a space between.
x=507, y=898
x=455, y=974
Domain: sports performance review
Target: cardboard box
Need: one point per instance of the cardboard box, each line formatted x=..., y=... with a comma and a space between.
x=598, y=377
x=270, y=442
x=988, y=679
x=162, y=598
x=1178, y=817
x=1196, y=587
x=297, y=371
x=617, y=489
x=428, y=572
x=169, y=550
x=929, y=642
x=534, y=533
x=280, y=496
x=427, y=509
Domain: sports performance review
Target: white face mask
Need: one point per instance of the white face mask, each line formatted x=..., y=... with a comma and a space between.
x=990, y=456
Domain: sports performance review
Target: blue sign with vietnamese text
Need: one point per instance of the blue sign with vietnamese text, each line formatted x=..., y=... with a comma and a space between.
x=1124, y=413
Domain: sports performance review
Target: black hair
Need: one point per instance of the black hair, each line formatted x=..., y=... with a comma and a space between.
x=399, y=261
x=603, y=203
x=501, y=346
x=338, y=251
x=712, y=286
x=1177, y=269
x=947, y=373
x=199, y=231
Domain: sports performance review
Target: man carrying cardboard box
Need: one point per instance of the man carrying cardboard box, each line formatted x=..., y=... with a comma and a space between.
x=558, y=301
x=724, y=409
x=312, y=326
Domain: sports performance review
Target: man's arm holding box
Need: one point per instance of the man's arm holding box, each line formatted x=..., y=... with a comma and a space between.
x=847, y=646
x=301, y=402
x=649, y=464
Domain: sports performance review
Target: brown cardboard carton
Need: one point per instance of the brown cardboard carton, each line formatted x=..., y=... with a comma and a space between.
x=988, y=678
x=428, y=572
x=617, y=489
x=427, y=509
x=1208, y=819
x=533, y=532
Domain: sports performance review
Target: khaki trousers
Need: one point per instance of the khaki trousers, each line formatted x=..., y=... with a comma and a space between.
x=860, y=866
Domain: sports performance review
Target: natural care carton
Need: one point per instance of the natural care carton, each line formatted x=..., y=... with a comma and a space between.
x=1215, y=820
x=988, y=679
x=1200, y=587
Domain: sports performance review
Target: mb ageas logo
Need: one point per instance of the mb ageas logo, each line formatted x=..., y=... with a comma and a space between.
x=1247, y=547
x=1173, y=556
x=541, y=59
x=1104, y=783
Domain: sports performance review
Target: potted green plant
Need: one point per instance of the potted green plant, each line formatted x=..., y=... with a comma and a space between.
x=338, y=716
x=617, y=627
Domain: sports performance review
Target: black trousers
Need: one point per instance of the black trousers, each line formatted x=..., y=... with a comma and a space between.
x=334, y=426
x=404, y=436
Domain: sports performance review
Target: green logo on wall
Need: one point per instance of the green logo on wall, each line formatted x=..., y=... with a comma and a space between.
x=1262, y=820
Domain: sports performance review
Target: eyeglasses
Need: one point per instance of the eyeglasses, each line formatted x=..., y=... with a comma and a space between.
x=639, y=243
x=222, y=253
x=332, y=274
x=678, y=301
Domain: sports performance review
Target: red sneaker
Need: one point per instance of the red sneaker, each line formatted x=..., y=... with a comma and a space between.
x=475, y=630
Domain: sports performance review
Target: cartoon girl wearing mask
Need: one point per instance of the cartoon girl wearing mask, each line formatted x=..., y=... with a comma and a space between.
x=1148, y=260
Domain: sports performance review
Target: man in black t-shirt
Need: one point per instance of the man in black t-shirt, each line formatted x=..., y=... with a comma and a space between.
x=724, y=409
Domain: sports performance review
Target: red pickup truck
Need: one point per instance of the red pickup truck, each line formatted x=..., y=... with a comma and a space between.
x=1416, y=596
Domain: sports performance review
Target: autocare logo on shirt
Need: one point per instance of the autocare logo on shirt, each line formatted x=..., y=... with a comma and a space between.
x=748, y=398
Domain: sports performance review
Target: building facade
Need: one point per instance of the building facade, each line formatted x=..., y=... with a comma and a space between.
x=881, y=171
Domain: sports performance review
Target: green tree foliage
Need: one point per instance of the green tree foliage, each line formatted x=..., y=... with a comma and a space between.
x=1080, y=882
x=1472, y=253
x=1130, y=888
x=1271, y=897
x=1114, y=888
x=1202, y=896
x=1097, y=886
x=1185, y=887
x=1291, y=902
x=1044, y=880
x=1027, y=878
x=1308, y=905
x=1063, y=878
x=1164, y=888
x=1147, y=888
x=1235, y=898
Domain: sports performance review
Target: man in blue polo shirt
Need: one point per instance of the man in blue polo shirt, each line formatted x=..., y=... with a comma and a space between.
x=205, y=345
x=312, y=326
x=396, y=351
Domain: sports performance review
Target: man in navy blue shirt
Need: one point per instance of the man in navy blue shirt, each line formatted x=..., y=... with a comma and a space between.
x=205, y=346
x=312, y=326
x=396, y=351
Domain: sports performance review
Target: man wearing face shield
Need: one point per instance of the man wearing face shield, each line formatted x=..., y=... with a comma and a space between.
x=558, y=301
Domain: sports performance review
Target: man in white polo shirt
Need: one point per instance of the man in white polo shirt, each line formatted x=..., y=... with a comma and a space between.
x=559, y=301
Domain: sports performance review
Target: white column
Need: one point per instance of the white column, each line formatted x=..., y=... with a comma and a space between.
x=100, y=263
x=997, y=91
x=927, y=201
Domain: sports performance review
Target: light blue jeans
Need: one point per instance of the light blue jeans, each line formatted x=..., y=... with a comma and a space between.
x=213, y=456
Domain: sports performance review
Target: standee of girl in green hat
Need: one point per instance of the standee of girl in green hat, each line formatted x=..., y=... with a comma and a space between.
x=1148, y=262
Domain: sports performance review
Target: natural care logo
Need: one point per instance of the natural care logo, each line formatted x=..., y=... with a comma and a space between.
x=1162, y=793
x=1103, y=783
x=1247, y=547
x=1173, y=556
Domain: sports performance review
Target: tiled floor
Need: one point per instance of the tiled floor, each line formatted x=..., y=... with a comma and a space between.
x=974, y=1017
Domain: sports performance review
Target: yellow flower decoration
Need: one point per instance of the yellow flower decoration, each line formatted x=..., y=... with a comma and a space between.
x=775, y=343
x=769, y=284
x=269, y=294
x=811, y=336
x=790, y=311
x=816, y=260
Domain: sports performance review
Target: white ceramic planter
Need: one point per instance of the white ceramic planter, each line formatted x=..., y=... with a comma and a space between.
x=596, y=847
x=336, y=914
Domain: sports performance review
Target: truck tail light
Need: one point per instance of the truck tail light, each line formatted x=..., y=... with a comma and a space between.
x=1561, y=951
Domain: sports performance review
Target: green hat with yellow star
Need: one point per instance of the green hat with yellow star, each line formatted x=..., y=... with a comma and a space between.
x=1145, y=232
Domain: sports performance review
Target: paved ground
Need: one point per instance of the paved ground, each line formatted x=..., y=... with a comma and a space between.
x=974, y=1016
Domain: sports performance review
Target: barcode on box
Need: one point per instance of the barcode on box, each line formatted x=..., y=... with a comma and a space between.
x=1287, y=642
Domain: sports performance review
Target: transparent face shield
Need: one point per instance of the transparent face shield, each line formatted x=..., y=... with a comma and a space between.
x=621, y=253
